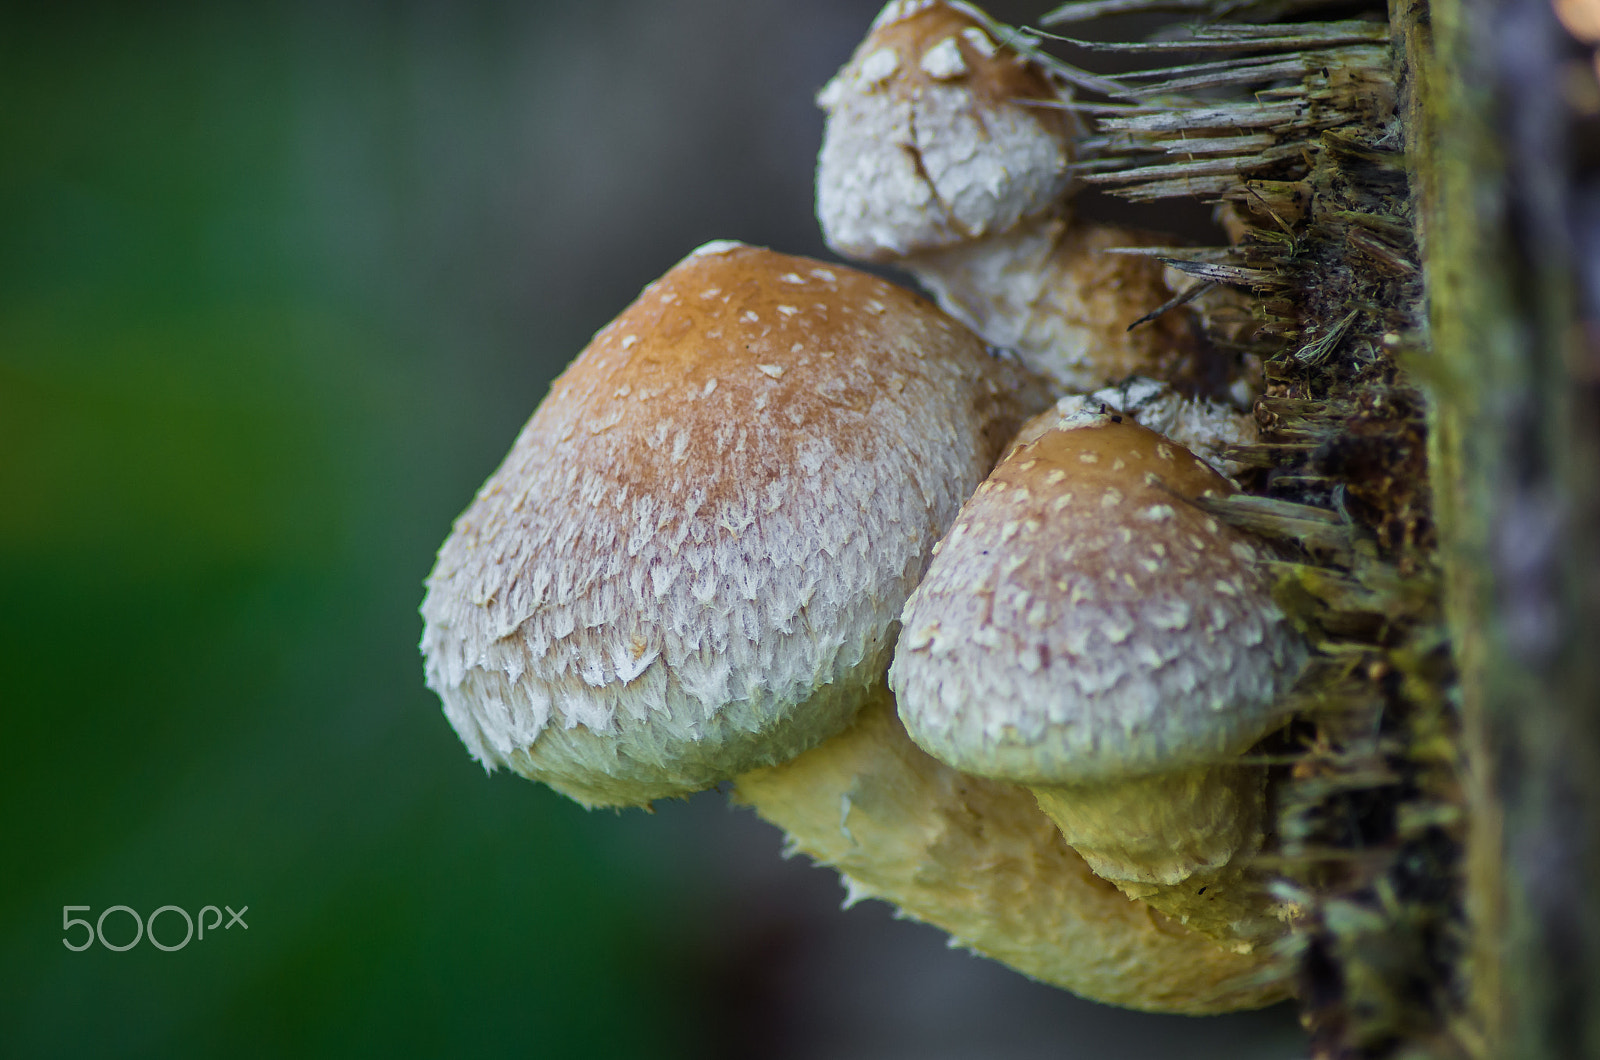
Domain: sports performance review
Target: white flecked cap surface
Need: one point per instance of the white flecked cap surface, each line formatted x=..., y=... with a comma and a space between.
x=1083, y=622
x=936, y=135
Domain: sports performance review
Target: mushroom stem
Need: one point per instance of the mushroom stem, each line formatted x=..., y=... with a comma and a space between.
x=1048, y=289
x=1159, y=829
x=992, y=285
x=976, y=858
x=1180, y=841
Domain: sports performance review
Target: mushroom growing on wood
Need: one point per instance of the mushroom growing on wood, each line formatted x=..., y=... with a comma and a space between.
x=692, y=560
x=1086, y=630
x=947, y=153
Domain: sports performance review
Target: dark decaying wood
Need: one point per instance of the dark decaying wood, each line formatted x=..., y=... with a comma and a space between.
x=1412, y=200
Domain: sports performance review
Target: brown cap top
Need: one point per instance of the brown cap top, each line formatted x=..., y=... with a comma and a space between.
x=718, y=510
x=930, y=140
x=1082, y=621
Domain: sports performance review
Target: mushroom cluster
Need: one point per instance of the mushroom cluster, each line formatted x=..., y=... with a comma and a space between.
x=971, y=127
x=771, y=478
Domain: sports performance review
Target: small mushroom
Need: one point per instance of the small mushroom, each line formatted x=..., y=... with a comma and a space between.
x=938, y=134
x=976, y=858
x=1086, y=630
x=692, y=560
x=947, y=153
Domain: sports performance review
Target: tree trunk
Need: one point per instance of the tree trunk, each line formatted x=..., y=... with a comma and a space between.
x=1515, y=454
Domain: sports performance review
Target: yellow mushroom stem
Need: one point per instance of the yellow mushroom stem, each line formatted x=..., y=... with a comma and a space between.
x=978, y=859
x=1181, y=842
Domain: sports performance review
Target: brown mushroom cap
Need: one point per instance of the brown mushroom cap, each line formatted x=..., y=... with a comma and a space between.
x=1082, y=622
x=691, y=562
x=931, y=137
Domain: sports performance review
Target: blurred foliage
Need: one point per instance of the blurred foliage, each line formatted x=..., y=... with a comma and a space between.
x=223, y=470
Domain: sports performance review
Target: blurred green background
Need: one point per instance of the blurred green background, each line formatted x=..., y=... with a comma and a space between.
x=278, y=284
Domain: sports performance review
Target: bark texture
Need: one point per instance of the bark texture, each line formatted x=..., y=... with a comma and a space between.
x=1505, y=160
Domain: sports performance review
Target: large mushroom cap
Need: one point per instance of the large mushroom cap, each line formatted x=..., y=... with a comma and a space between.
x=1083, y=621
x=937, y=133
x=691, y=562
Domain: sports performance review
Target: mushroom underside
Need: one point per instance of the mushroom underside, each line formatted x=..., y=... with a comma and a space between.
x=978, y=859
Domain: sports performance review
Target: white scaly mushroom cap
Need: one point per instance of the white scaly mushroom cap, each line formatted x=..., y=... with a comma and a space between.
x=931, y=140
x=691, y=562
x=1082, y=622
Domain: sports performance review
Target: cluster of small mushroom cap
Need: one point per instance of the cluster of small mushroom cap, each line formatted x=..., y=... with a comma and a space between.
x=948, y=152
x=770, y=477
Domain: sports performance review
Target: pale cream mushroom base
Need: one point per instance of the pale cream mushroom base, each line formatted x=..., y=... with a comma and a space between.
x=1085, y=630
x=976, y=858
